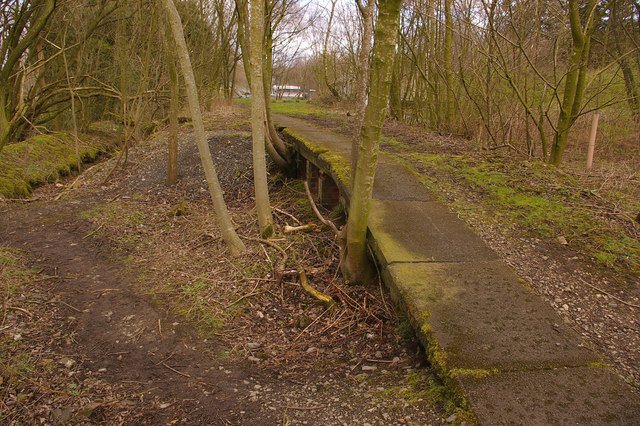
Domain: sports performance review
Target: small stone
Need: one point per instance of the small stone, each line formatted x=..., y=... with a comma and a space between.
x=102, y=370
x=565, y=307
x=452, y=418
x=395, y=359
x=253, y=359
x=253, y=345
x=311, y=349
x=260, y=314
x=369, y=368
x=562, y=240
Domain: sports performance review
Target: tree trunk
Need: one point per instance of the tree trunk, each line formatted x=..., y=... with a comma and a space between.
x=271, y=133
x=265, y=221
x=362, y=84
x=174, y=105
x=575, y=78
x=356, y=266
x=244, y=40
x=448, y=65
x=236, y=246
x=629, y=80
x=325, y=65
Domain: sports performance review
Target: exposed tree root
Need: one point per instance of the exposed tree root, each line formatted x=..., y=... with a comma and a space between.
x=325, y=299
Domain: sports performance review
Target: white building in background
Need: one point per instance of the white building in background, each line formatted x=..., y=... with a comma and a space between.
x=287, y=92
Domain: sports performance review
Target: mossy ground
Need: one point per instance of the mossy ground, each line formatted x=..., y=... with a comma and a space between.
x=46, y=158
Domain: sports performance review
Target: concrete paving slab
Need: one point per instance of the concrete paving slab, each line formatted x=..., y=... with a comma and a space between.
x=396, y=182
x=563, y=396
x=417, y=231
x=483, y=318
x=314, y=136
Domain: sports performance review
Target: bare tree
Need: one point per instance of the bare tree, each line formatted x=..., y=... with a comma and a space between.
x=356, y=266
x=229, y=235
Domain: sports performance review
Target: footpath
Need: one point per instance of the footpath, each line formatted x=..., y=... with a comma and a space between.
x=501, y=348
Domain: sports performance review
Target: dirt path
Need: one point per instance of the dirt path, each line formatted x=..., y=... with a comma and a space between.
x=120, y=337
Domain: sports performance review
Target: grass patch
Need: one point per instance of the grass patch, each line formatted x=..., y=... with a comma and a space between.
x=298, y=107
x=45, y=158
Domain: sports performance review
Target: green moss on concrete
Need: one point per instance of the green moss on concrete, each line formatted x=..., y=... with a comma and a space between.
x=340, y=166
x=44, y=158
x=475, y=373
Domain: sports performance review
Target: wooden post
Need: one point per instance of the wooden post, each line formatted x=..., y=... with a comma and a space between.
x=592, y=139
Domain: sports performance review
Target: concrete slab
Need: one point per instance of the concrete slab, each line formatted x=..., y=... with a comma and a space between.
x=315, y=137
x=396, y=182
x=564, y=396
x=483, y=318
x=417, y=231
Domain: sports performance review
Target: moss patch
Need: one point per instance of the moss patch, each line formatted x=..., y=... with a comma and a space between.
x=45, y=158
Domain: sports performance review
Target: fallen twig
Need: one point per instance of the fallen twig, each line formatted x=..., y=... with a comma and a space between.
x=611, y=295
x=24, y=311
x=278, y=269
x=21, y=200
x=176, y=371
x=313, y=322
x=306, y=408
x=93, y=232
x=384, y=302
x=327, y=222
x=287, y=214
x=251, y=293
x=67, y=305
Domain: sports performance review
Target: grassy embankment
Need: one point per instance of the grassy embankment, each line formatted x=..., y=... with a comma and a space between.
x=48, y=157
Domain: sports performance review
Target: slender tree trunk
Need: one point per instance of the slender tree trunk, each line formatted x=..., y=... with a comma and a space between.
x=265, y=221
x=356, y=266
x=629, y=80
x=575, y=78
x=174, y=105
x=236, y=246
x=74, y=121
x=448, y=65
x=244, y=40
x=325, y=64
x=121, y=43
x=395, y=94
x=362, y=84
x=271, y=133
